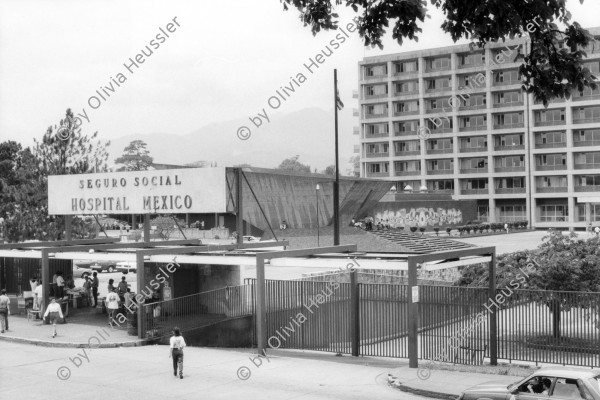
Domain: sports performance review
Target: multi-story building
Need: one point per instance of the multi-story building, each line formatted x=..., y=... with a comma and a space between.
x=455, y=120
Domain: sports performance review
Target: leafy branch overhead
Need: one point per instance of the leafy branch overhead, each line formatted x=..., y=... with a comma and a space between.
x=553, y=67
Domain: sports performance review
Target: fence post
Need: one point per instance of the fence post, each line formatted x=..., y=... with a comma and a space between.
x=413, y=315
x=493, y=316
x=354, y=314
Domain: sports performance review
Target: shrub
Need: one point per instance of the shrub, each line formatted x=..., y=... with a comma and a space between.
x=461, y=230
x=449, y=230
x=422, y=229
x=437, y=231
x=486, y=227
x=401, y=228
x=480, y=227
x=413, y=229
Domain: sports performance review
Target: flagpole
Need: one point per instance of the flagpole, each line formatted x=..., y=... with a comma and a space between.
x=336, y=184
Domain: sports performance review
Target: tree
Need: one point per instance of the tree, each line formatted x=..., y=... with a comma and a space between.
x=355, y=162
x=65, y=150
x=135, y=157
x=166, y=225
x=548, y=70
x=292, y=164
x=329, y=170
x=24, y=175
x=562, y=263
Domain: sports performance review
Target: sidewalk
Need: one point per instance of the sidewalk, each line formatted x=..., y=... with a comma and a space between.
x=441, y=384
x=86, y=327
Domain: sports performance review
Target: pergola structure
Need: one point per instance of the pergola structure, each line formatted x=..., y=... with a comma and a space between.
x=414, y=262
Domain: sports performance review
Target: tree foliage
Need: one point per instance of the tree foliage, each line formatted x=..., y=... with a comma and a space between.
x=135, y=157
x=329, y=170
x=292, y=164
x=63, y=149
x=548, y=70
x=166, y=226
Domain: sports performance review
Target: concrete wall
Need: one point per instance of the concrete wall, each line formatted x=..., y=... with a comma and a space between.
x=440, y=213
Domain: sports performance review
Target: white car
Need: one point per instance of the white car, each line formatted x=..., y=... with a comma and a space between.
x=126, y=267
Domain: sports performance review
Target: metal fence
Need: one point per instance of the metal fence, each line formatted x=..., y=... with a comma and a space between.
x=197, y=310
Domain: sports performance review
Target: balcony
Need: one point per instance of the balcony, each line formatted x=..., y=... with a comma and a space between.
x=435, y=110
x=407, y=153
x=373, y=116
x=509, y=126
x=372, y=77
x=377, y=135
x=465, y=66
x=377, y=174
x=408, y=173
x=514, y=104
x=510, y=169
x=585, y=143
x=475, y=107
x=474, y=191
x=437, y=69
x=587, y=166
x=586, y=120
x=440, y=172
x=472, y=128
x=516, y=190
x=440, y=151
x=506, y=83
x=403, y=113
x=508, y=148
x=375, y=155
x=404, y=133
x=556, y=167
x=584, y=98
x=406, y=93
x=472, y=149
x=474, y=170
x=549, y=123
x=441, y=191
x=553, y=145
x=441, y=130
x=590, y=188
x=558, y=189
x=376, y=96
x=437, y=90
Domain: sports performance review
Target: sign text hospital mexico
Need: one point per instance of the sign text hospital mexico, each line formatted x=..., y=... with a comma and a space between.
x=190, y=190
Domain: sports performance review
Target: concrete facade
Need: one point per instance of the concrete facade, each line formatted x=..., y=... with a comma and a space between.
x=455, y=120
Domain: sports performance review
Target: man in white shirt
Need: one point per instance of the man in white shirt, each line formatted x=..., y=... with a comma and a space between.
x=112, y=305
x=38, y=299
x=60, y=285
x=4, y=310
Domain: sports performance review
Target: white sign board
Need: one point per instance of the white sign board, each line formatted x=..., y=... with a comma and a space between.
x=189, y=190
x=415, y=294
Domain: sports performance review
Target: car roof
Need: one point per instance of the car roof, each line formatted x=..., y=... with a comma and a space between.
x=568, y=372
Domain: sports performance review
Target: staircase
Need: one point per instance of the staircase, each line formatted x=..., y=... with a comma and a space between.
x=417, y=243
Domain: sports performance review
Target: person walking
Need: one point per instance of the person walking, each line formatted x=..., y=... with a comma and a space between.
x=112, y=305
x=87, y=286
x=176, y=351
x=4, y=310
x=95, y=283
x=53, y=311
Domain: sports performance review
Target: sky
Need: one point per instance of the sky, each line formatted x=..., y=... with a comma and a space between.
x=223, y=61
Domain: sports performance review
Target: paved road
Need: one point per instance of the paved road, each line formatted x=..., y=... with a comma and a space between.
x=145, y=373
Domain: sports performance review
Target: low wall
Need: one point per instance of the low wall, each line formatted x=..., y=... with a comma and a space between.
x=236, y=332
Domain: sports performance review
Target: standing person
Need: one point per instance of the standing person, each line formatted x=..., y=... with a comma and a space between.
x=111, y=285
x=53, y=286
x=112, y=305
x=54, y=311
x=87, y=286
x=38, y=299
x=33, y=282
x=4, y=310
x=597, y=230
x=60, y=285
x=176, y=351
x=122, y=289
x=95, y=283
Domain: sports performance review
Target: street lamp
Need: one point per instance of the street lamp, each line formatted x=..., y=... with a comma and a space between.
x=317, y=194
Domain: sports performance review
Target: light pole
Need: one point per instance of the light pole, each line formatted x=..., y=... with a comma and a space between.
x=317, y=194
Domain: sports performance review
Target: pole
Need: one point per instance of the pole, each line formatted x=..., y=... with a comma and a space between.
x=336, y=184
x=239, y=207
x=317, y=194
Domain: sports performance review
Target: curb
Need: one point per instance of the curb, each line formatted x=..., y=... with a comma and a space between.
x=396, y=384
x=44, y=343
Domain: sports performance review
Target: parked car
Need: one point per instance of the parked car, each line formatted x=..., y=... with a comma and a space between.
x=553, y=382
x=101, y=266
x=79, y=272
x=251, y=239
x=126, y=266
